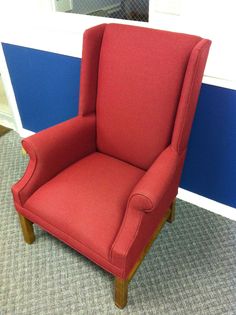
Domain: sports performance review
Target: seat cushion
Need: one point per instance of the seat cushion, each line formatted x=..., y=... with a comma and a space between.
x=87, y=200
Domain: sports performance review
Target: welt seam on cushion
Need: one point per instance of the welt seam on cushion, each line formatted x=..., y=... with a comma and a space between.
x=66, y=234
x=72, y=240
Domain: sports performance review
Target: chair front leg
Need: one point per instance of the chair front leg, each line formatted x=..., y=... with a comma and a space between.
x=121, y=292
x=121, y=285
x=172, y=212
x=27, y=229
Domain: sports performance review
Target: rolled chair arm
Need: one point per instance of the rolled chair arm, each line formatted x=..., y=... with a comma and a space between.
x=151, y=188
x=52, y=150
x=147, y=202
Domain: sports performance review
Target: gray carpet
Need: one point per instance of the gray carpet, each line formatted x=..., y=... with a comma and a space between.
x=191, y=269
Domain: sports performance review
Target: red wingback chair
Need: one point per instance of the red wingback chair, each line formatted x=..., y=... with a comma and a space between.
x=105, y=182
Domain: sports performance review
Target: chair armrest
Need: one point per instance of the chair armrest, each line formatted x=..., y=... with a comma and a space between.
x=52, y=150
x=147, y=204
x=151, y=188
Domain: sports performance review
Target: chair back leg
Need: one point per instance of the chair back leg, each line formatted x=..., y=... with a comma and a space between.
x=172, y=212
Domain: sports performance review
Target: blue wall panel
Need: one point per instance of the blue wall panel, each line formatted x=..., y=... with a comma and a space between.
x=210, y=166
x=46, y=85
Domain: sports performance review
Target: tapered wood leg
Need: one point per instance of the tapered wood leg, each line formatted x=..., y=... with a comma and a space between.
x=121, y=285
x=121, y=292
x=172, y=212
x=27, y=229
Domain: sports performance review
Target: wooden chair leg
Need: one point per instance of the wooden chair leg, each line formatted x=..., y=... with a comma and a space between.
x=121, y=292
x=27, y=229
x=121, y=285
x=172, y=212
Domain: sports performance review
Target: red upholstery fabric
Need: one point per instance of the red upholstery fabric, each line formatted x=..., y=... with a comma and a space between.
x=152, y=187
x=189, y=95
x=87, y=200
x=66, y=238
x=89, y=69
x=102, y=182
x=141, y=72
x=146, y=209
x=52, y=150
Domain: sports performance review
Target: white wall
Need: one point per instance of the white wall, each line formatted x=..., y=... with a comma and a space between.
x=32, y=23
x=213, y=19
x=25, y=7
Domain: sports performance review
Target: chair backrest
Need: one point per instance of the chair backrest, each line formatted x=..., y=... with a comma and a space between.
x=137, y=88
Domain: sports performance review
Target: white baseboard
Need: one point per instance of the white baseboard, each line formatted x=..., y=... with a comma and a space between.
x=24, y=133
x=6, y=120
x=209, y=204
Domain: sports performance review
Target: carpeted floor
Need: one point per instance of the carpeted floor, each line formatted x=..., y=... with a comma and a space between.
x=191, y=269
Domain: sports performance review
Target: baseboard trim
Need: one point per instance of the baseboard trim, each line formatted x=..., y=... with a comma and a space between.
x=209, y=204
x=7, y=120
x=24, y=133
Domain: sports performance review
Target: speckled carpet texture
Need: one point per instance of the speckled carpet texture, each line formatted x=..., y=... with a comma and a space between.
x=190, y=269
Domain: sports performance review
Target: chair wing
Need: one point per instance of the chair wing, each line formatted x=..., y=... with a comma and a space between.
x=105, y=182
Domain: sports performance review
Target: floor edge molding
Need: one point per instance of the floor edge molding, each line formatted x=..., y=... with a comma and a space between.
x=206, y=203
